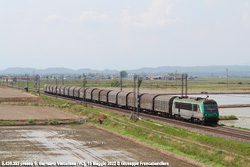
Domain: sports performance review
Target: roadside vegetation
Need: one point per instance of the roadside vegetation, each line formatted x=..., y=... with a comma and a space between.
x=7, y=122
x=203, y=148
x=228, y=117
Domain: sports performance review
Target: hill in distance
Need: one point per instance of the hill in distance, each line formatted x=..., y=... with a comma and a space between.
x=205, y=71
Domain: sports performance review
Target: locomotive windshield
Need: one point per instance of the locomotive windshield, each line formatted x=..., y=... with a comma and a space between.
x=210, y=106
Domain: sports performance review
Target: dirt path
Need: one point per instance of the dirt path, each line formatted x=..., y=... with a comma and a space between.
x=12, y=95
x=25, y=113
x=7, y=92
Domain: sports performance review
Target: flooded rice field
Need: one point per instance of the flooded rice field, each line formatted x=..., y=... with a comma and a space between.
x=228, y=99
x=243, y=115
x=74, y=144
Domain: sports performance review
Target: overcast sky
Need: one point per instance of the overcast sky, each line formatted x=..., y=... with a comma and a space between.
x=123, y=34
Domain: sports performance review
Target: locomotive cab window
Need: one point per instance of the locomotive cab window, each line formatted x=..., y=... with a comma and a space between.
x=183, y=106
x=195, y=107
x=198, y=109
x=186, y=106
x=177, y=105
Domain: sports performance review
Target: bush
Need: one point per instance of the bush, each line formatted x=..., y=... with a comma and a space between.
x=31, y=121
x=54, y=122
x=115, y=83
x=74, y=122
x=102, y=117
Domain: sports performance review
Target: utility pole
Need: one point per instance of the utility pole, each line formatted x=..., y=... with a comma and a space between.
x=84, y=81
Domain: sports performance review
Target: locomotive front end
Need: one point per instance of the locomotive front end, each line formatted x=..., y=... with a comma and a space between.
x=211, y=111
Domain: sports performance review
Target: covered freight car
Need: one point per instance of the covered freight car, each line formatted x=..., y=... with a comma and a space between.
x=82, y=92
x=66, y=90
x=95, y=95
x=45, y=88
x=54, y=89
x=61, y=90
x=130, y=101
x=88, y=93
x=77, y=92
x=104, y=96
x=122, y=99
x=71, y=91
x=58, y=89
x=147, y=102
x=163, y=104
x=112, y=97
x=50, y=89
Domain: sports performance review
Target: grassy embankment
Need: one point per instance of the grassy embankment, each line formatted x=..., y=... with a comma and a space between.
x=228, y=117
x=203, y=148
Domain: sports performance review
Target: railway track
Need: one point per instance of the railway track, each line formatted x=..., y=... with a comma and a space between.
x=223, y=131
x=216, y=130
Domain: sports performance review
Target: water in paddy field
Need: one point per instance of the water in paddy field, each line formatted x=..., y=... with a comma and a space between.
x=228, y=99
x=243, y=114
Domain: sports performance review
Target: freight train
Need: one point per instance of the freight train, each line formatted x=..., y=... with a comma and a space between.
x=198, y=110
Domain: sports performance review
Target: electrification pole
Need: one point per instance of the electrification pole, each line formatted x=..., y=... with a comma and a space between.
x=27, y=84
x=139, y=82
x=176, y=77
x=227, y=77
x=133, y=115
x=18, y=83
x=62, y=79
x=186, y=77
x=56, y=87
x=182, y=86
x=134, y=94
x=39, y=86
x=84, y=81
x=184, y=82
x=121, y=80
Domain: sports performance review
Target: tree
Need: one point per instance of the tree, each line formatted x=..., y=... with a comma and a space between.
x=140, y=82
x=124, y=74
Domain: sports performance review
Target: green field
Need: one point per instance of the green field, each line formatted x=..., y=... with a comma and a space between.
x=198, y=83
